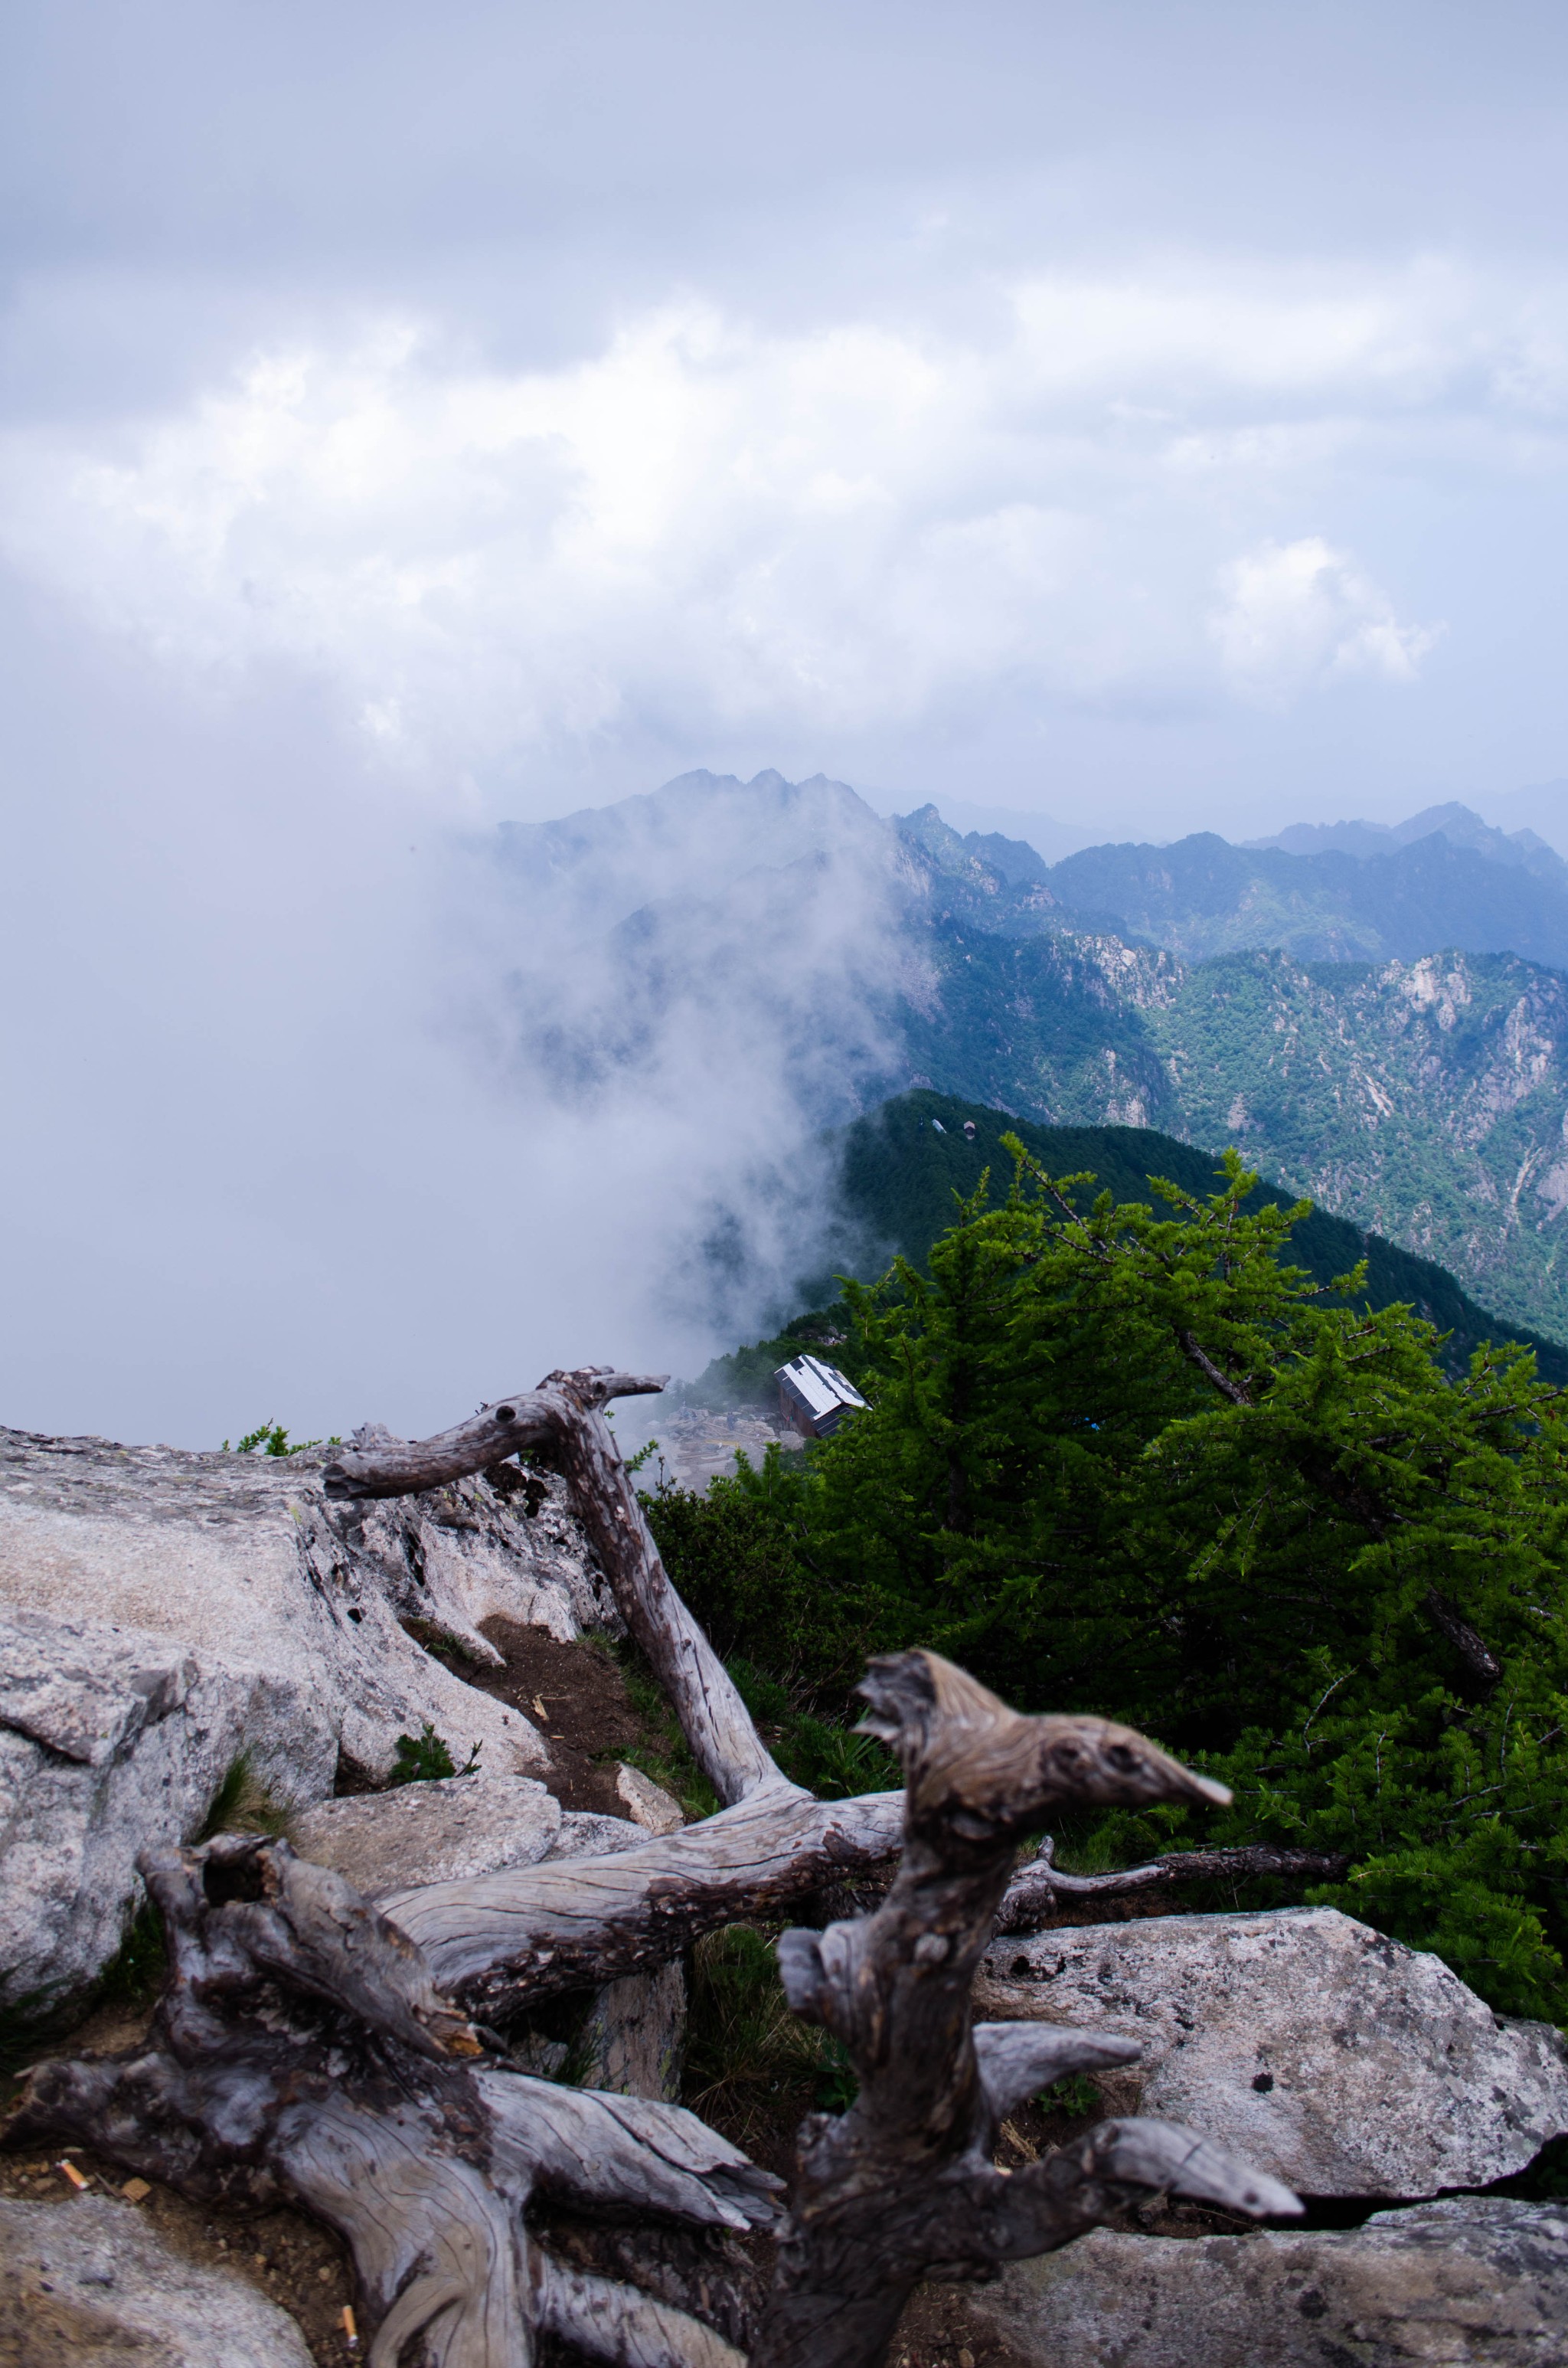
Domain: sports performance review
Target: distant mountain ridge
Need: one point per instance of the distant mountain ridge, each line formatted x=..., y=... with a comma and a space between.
x=1457, y=823
x=811, y=947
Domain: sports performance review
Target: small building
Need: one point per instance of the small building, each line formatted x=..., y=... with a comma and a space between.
x=814, y=1397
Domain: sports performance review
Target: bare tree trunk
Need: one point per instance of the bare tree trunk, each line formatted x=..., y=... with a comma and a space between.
x=302, y=2052
x=903, y=2186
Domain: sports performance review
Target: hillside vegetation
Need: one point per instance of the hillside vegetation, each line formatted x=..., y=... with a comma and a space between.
x=1132, y=1460
x=905, y=1167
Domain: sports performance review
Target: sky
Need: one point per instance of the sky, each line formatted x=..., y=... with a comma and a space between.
x=1151, y=415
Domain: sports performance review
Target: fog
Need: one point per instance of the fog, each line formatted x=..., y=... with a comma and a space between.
x=416, y=422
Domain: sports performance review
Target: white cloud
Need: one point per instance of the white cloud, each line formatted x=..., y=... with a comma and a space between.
x=1299, y=613
x=825, y=531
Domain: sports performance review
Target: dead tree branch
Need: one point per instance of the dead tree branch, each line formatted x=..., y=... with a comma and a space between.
x=499, y=1942
x=565, y=1412
x=1037, y=1889
x=375, y=1464
x=903, y=2186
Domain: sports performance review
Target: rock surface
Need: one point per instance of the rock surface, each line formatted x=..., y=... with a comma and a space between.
x=1474, y=2282
x=162, y=1611
x=587, y=1833
x=111, y=1738
x=440, y=1831
x=1339, y=2060
x=89, y=2281
x=647, y=1803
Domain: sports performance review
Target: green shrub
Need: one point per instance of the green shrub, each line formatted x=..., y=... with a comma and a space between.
x=1132, y=1461
x=418, y=1758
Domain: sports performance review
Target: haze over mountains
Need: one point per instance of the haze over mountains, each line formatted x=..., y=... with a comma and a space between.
x=1380, y=1022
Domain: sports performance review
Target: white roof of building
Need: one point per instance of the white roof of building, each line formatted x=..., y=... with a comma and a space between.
x=822, y=1386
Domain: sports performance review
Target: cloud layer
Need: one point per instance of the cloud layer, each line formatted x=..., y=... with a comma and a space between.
x=1115, y=496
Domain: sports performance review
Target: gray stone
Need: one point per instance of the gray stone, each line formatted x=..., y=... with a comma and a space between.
x=111, y=1739
x=162, y=1612
x=647, y=1803
x=90, y=2281
x=1474, y=2282
x=634, y=2039
x=440, y=1831
x=1341, y=2061
x=585, y=1833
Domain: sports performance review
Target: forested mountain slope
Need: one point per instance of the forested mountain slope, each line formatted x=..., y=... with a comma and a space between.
x=1425, y=1102
x=908, y=1164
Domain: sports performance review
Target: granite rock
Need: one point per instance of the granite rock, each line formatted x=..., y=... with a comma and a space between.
x=441, y=1831
x=90, y=2281
x=162, y=1612
x=647, y=1803
x=111, y=1739
x=586, y=1833
x=1471, y=2281
x=1339, y=2060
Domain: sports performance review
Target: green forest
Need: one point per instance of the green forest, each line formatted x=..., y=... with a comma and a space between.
x=1131, y=1457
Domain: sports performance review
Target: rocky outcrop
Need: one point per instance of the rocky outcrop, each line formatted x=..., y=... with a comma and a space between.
x=1475, y=2282
x=163, y=1612
x=441, y=1831
x=1341, y=2061
x=111, y=1738
x=90, y=2281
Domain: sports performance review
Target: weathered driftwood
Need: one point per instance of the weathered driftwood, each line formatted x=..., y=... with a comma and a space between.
x=309, y=2046
x=1036, y=1889
x=902, y=2185
x=374, y=1464
x=500, y=1941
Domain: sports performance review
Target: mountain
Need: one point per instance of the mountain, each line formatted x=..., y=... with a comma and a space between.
x=906, y=1164
x=814, y=959
x=1462, y=827
x=1204, y=896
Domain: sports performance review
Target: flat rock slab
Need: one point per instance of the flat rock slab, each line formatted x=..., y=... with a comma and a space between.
x=587, y=1833
x=1474, y=2282
x=89, y=2282
x=1339, y=2060
x=440, y=1831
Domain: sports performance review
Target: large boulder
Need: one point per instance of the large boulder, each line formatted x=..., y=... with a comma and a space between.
x=1474, y=2282
x=163, y=1612
x=443, y=1831
x=1341, y=2061
x=88, y=2280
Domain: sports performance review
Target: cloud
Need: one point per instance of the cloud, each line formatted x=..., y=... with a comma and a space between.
x=1297, y=614
x=714, y=528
